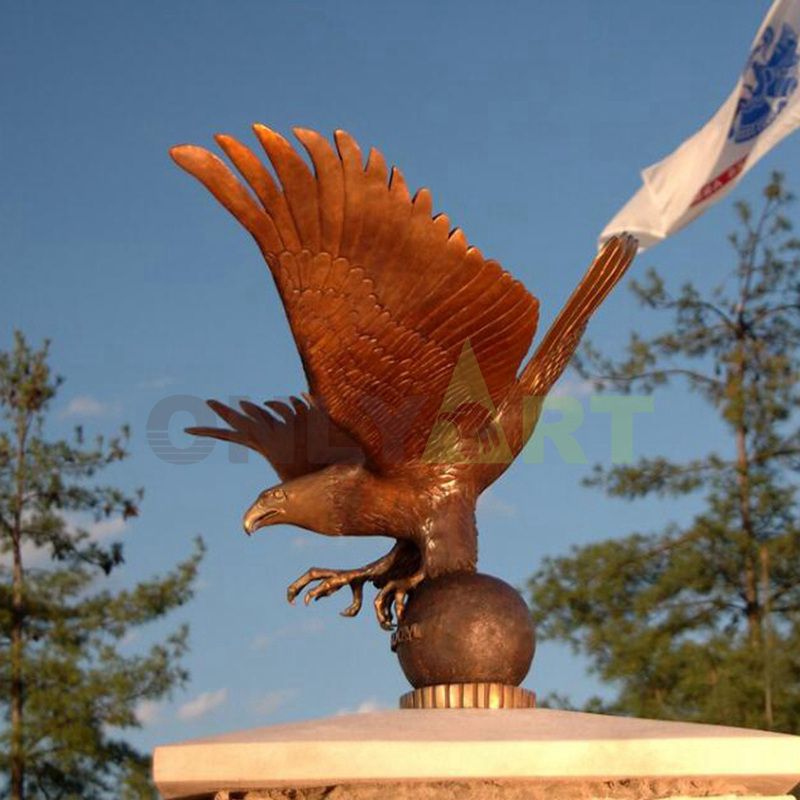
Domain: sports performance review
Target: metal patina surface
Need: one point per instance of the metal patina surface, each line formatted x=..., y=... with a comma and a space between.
x=465, y=628
x=413, y=346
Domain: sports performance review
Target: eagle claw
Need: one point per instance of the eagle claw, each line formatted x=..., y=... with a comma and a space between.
x=330, y=581
x=389, y=574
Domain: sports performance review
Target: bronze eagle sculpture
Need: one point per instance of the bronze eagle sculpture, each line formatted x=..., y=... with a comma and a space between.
x=411, y=342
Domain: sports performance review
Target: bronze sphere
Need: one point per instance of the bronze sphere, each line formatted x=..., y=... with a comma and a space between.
x=465, y=628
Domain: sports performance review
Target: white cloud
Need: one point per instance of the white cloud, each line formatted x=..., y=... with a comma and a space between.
x=311, y=625
x=203, y=704
x=148, y=712
x=490, y=503
x=98, y=530
x=32, y=556
x=84, y=405
x=129, y=638
x=307, y=627
x=302, y=542
x=102, y=529
x=369, y=706
x=158, y=383
x=261, y=641
x=572, y=386
x=272, y=701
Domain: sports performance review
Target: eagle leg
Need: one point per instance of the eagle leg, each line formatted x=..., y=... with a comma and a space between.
x=402, y=559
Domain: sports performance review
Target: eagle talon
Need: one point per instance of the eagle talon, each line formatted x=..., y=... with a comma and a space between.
x=358, y=595
x=330, y=581
x=394, y=593
x=382, y=573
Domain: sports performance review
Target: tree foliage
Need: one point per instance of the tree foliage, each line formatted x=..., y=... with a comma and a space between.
x=68, y=689
x=702, y=622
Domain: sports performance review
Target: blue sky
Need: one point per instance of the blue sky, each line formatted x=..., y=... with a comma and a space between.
x=528, y=120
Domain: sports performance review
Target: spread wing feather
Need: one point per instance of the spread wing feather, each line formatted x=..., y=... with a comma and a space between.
x=562, y=338
x=381, y=297
x=297, y=438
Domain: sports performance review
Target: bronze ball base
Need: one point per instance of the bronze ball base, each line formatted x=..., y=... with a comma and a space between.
x=469, y=695
x=466, y=641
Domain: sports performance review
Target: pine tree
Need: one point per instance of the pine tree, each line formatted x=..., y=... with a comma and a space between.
x=702, y=622
x=69, y=691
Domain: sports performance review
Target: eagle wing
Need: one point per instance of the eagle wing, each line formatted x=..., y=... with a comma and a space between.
x=296, y=438
x=381, y=297
x=563, y=337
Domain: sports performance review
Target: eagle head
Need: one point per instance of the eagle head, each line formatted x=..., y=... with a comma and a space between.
x=270, y=508
x=307, y=501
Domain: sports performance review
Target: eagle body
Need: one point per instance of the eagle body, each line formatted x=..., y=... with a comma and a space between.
x=412, y=343
x=433, y=511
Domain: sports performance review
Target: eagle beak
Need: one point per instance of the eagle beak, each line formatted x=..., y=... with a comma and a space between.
x=257, y=516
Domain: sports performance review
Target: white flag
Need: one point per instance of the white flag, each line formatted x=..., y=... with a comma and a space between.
x=762, y=109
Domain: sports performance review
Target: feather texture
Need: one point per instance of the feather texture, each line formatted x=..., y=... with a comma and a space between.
x=296, y=438
x=380, y=295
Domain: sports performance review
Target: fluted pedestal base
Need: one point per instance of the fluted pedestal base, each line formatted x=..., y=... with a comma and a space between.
x=469, y=695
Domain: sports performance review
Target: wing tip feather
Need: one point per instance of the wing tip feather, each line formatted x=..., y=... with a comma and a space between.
x=301, y=133
x=190, y=156
x=347, y=146
x=271, y=140
x=228, y=142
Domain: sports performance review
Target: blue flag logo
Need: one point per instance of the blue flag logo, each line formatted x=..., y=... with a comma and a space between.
x=771, y=72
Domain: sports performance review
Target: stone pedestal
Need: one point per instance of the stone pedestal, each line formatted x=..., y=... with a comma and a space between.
x=461, y=754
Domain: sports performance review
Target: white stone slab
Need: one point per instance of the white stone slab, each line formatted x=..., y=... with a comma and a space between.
x=468, y=744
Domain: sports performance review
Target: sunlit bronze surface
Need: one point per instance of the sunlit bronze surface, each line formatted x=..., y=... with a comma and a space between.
x=469, y=695
x=411, y=342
